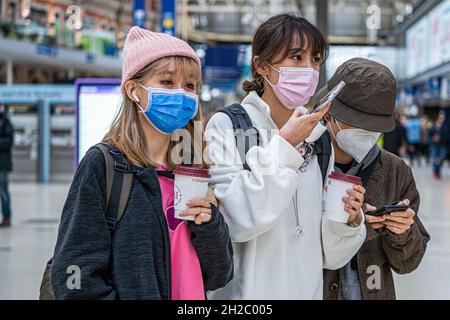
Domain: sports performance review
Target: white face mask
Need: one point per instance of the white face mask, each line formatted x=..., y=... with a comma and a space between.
x=356, y=142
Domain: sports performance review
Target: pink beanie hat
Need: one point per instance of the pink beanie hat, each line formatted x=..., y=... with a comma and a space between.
x=143, y=47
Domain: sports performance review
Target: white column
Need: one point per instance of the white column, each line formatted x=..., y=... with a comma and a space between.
x=9, y=72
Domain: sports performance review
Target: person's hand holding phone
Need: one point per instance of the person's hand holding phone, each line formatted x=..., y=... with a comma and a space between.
x=299, y=126
x=398, y=222
x=376, y=222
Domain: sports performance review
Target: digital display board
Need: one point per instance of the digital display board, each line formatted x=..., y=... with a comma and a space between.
x=97, y=103
x=428, y=41
x=341, y=53
x=417, y=50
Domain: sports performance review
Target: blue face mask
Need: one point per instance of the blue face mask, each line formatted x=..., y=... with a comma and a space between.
x=169, y=109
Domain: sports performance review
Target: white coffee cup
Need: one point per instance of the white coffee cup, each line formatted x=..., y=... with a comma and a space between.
x=189, y=183
x=336, y=189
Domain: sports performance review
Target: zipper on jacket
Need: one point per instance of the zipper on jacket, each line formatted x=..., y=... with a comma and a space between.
x=298, y=227
x=166, y=237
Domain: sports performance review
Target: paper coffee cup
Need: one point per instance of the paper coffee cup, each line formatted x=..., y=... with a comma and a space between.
x=337, y=186
x=189, y=183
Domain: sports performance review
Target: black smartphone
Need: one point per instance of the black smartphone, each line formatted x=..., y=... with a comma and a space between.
x=387, y=209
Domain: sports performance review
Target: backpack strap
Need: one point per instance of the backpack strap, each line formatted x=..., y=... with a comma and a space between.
x=119, y=179
x=322, y=148
x=245, y=133
x=244, y=129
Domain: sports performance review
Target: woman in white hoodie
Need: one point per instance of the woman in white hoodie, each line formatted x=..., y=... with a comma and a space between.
x=273, y=204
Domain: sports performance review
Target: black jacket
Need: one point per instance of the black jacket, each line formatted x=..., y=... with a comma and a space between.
x=438, y=131
x=6, y=143
x=135, y=264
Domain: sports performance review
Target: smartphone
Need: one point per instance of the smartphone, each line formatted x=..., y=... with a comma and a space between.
x=327, y=98
x=387, y=209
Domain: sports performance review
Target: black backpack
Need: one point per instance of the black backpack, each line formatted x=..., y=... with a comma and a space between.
x=119, y=179
x=247, y=134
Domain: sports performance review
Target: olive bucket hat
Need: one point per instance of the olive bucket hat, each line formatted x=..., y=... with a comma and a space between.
x=368, y=99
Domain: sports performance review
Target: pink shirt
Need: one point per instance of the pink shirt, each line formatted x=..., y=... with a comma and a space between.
x=187, y=280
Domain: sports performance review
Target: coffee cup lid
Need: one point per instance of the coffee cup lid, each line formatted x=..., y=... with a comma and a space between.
x=345, y=177
x=191, y=171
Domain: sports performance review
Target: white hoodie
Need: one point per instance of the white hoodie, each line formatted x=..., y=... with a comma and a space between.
x=258, y=205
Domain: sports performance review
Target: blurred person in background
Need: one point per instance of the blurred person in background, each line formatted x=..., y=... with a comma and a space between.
x=424, y=148
x=395, y=140
x=6, y=142
x=436, y=136
x=413, y=135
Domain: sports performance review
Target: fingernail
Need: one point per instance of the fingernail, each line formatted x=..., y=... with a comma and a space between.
x=188, y=202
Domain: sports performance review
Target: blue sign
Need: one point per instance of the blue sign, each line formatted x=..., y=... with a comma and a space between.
x=434, y=85
x=226, y=85
x=409, y=90
x=44, y=50
x=168, y=16
x=221, y=62
x=26, y=93
x=139, y=13
x=90, y=58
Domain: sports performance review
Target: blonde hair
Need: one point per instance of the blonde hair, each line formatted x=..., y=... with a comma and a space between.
x=126, y=132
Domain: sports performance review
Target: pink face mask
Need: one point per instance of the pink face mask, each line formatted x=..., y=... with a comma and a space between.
x=295, y=85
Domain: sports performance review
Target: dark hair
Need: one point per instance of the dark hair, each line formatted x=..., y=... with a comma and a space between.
x=277, y=34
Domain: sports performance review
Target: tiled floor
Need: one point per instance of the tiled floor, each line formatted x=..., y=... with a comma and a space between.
x=432, y=279
x=25, y=248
